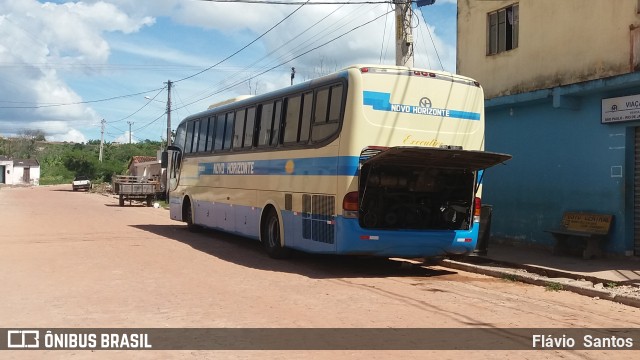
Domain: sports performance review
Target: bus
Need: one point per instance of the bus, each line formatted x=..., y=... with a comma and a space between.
x=373, y=160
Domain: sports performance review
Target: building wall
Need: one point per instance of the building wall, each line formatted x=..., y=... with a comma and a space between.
x=18, y=171
x=564, y=159
x=560, y=42
x=8, y=171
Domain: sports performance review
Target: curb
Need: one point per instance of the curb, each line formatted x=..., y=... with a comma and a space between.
x=530, y=276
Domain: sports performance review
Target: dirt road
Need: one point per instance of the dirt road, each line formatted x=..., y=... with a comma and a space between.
x=78, y=260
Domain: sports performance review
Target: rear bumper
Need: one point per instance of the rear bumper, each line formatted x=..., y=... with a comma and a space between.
x=403, y=243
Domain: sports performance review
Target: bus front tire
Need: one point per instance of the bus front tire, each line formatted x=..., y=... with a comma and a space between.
x=271, y=239
x=187, y=216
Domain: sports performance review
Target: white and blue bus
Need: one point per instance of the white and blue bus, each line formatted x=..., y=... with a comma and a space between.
x=370, y=160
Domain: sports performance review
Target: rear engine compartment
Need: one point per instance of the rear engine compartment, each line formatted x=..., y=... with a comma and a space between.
x=415, y=197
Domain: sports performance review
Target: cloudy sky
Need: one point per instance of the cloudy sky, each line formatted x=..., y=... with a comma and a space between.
x=66, y=65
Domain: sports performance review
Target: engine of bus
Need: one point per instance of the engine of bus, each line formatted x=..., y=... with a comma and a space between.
x=404, y=197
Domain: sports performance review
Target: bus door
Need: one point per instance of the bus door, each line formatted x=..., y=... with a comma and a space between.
x=172, y=172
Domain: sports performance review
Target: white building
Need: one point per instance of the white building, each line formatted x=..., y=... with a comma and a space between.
x=19, y=171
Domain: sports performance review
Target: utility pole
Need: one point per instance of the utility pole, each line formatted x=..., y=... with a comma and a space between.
x=404, y=36
x=101, y=138
x=169, y=83
x=130, y=123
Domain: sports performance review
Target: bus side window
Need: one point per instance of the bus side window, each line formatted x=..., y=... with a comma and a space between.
x=328, y=111
x=292, y=119
x=335, y=105
x=275, y=132
x=249, y=129
x=305, y=124
x=212, y=133
x=322, y=103
x=228, y=131
x=196, y=135
x=204, y=131
x=220, y=126
x=265, y=124
x=238, y=134
x=189, y=140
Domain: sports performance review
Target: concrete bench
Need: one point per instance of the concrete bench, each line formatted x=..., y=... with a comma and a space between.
x=590, y=227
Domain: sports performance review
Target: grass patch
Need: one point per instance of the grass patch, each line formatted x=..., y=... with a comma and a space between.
x=553, y=286
x=509, y=277
x=611, y=285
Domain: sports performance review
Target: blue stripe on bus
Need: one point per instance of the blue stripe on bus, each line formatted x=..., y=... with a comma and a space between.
x=319, y=166
x=382, y=101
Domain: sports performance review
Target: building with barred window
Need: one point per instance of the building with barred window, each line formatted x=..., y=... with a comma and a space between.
x=562, y=91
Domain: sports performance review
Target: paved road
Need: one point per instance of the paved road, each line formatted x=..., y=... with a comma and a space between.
x=75, y=259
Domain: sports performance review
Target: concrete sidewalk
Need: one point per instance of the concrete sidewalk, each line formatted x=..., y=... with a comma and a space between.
x=616, y=279
x=622, y=270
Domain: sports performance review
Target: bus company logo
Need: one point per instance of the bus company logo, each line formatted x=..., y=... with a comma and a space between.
x=289, y=167
x=23, y=339
x=425, y=102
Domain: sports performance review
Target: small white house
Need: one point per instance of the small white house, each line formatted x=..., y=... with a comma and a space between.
x=19, y=171
x=6, y=170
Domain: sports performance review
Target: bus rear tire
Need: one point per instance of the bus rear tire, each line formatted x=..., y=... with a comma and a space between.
x=271, y=239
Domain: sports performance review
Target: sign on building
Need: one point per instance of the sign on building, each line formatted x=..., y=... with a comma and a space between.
x=626, y=108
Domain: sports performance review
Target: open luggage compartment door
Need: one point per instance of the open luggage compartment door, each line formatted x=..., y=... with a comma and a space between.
x=420, y=188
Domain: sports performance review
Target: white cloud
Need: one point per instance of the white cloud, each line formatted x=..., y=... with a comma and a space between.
x=70, y=136
x=36, y=40
x=42, y=45
x=124, y=138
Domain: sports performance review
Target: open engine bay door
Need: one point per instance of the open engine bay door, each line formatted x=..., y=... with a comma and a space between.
x=420, y=188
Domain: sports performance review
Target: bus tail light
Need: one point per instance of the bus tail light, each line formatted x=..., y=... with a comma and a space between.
x=350, y=205
x=364, y=70
x=477, y=209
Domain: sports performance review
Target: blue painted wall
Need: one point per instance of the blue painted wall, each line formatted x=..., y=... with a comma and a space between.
x=564, y=159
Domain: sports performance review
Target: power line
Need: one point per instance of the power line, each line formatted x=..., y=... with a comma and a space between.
x=384, y=33
x=433, y=42
x=231, y=78
x=79, y=102
x=143, y=106
x=287, y=61
x=244, y=47
x=275, y=2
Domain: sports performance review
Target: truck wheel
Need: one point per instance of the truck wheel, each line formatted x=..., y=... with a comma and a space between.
x=121, y=200
x=149, y=201
x=271, y=236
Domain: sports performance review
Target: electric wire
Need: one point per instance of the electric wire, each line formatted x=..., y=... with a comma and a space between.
x=384, y=33
x=291, y=59
x=244, y=47
x=143, y=106
x=80, y=102
x=275, y=2
x=432, y=41
x=229, y=79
